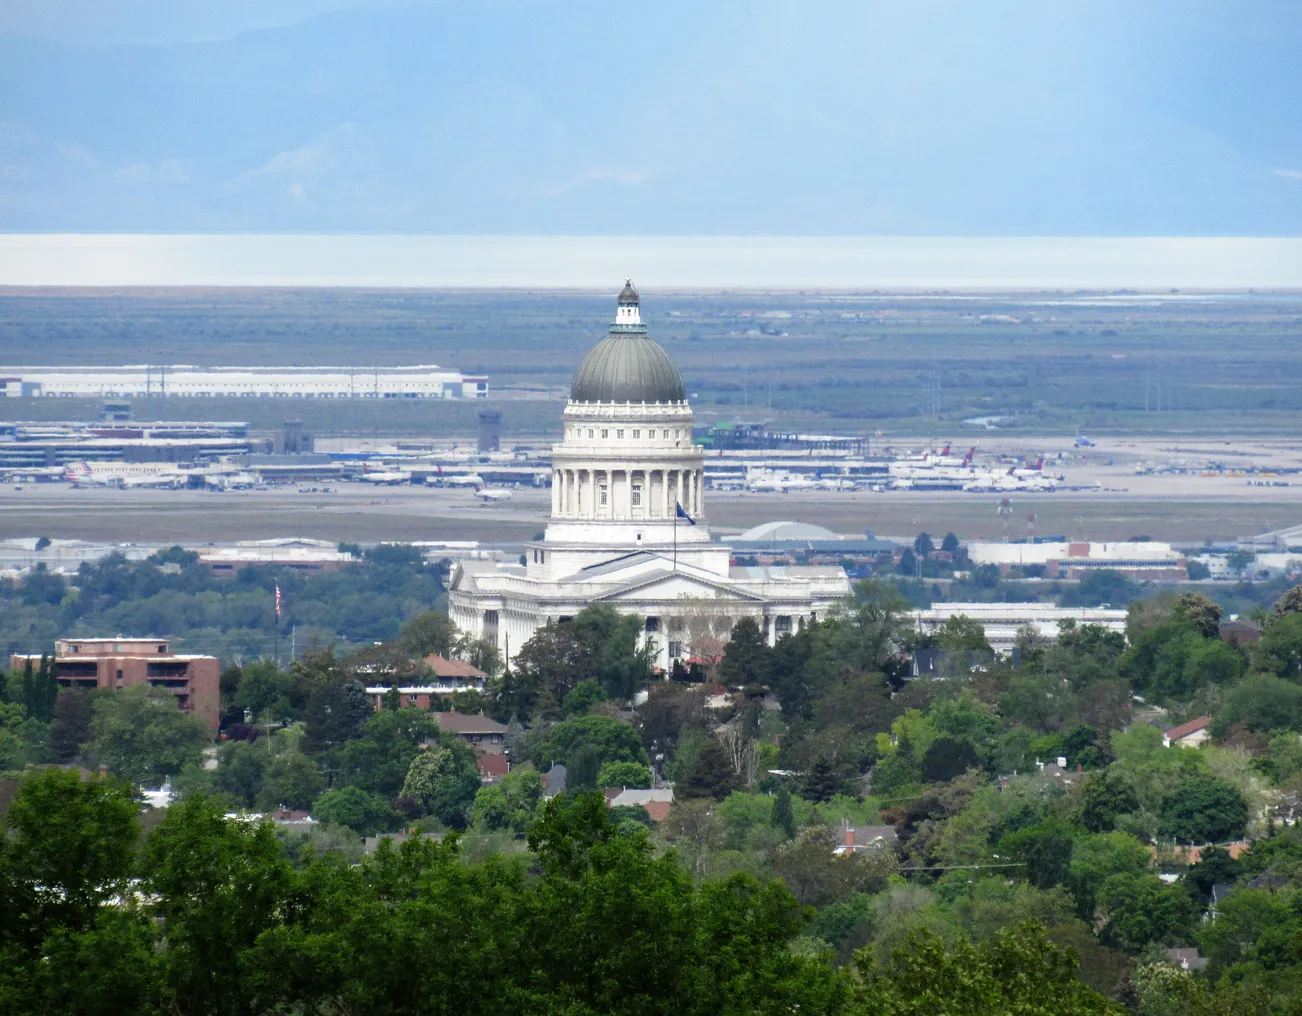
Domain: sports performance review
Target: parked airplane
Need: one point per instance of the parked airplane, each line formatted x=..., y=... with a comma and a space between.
x=460, y=480
x=490, y=494
x=126, y=474
x=390, y=478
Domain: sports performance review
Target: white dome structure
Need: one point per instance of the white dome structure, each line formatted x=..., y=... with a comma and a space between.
x=628, y=522
x=787, y=532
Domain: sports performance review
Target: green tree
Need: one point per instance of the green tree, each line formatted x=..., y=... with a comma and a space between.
x=1214, y=866
x=583, y=696
x=624, y=774
x=510, y=805
x=444, y=780
x=1096, y=858
x=711, y=775
x=70, y=728
x=1044, y=849
x=1279, y=651
x=290, y=780
x=22, y=741
x=747, y=659
x=1141, y=908
x=1204, y=614
x=612, y=740
x=142, y=736
x=240, y=765
x=947, y=758
x=68, y=851
x=217, y=886
x=336, y=710
x=1261, y=702
x=1017, y=971
x=820, y=782
x=583, y=770
x=1105, y=798
x=783, y=818
x=428, y=633
x=377, y=760
x=264, y=690
x=1202, y=809
x=364, y=813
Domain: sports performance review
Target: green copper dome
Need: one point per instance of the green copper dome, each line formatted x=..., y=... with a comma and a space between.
x=627, y=366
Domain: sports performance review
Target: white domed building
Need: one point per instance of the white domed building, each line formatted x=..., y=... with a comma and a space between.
x=624, y=468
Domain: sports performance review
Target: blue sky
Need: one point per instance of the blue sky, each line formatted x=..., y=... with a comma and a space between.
x=579, y=117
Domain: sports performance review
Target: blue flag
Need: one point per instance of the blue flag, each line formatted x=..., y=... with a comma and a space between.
x=678, y=510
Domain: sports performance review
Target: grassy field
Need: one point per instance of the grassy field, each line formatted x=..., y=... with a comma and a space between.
x=905, y=364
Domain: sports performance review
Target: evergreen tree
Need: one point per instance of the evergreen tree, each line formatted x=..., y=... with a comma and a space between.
x=711, y=775
x=782, y=817
x=583, y=768
x=820, y=783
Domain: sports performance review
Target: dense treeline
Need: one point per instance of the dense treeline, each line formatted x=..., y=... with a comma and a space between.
x=202, y=914
x=772, y=752
x=172, y=594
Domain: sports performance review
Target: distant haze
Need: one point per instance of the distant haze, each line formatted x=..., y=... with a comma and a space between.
x=665, y=262
x=714, y=117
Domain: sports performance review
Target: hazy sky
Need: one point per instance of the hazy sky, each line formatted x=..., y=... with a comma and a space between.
x=908, y=117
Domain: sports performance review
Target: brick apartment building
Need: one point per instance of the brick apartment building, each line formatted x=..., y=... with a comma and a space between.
x=126, y=662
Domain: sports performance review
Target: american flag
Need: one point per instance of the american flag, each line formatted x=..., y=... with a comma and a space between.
x=277, y=603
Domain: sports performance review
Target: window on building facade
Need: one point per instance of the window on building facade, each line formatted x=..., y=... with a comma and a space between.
x=605, y=434
x=636, y=434
x=637, y=495
x=783, y=624
x=653, y=624
x=619, y=435
x=675, y=650
x=602, y=494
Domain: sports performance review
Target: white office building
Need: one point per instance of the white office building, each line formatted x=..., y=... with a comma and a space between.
x=625, y=465
x=145, y=381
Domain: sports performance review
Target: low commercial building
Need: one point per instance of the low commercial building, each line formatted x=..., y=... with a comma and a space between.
x=299, y=553
x=1139, y=559
x=423, y=381
x=114, y=663
x=1001, y=621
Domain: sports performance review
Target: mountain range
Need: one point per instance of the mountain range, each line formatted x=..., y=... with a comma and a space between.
x=708, y=117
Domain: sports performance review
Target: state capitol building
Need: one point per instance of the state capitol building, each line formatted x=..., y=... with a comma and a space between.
x=624, y=468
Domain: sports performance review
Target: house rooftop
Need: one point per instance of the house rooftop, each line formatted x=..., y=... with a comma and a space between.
x=1192, y=727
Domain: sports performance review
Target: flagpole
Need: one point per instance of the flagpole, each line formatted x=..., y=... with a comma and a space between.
x=675, y=536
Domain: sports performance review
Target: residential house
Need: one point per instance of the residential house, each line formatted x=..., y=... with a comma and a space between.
x=865, y=838
x=1188, y=735
x=656, y=802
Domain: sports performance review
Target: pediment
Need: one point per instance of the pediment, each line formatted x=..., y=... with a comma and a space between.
x=678, y=585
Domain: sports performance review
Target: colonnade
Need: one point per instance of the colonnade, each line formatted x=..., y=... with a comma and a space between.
x=626, y=493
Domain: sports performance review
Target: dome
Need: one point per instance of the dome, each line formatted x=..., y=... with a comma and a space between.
x=787, y=532
x=627, y=366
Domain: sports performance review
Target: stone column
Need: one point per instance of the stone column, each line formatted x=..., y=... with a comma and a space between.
x=664, y=493
x=556, y=488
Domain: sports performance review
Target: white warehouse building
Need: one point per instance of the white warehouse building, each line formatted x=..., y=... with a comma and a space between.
x=628, y=527
x=1002, y=621
x=427, y=381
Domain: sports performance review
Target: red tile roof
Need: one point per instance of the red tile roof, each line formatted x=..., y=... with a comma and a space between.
x=452, y=668
x=460, y=723
x=1185, y=729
